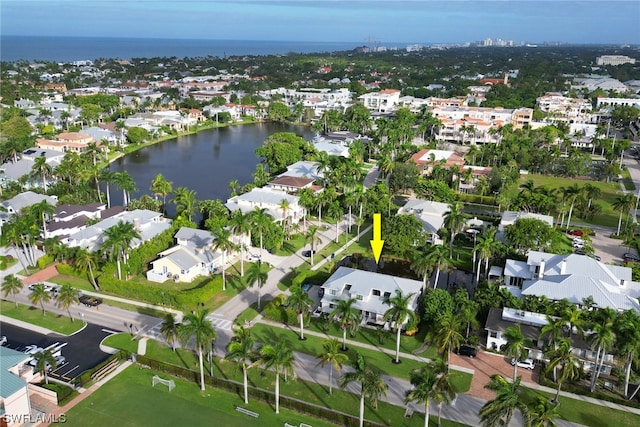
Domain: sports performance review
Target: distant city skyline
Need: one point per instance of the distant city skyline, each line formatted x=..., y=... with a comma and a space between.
x=382, y=22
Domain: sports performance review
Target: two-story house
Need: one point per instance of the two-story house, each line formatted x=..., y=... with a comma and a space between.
x=270, y=199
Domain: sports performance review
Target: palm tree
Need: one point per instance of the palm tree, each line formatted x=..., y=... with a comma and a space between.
x=170, y=330
x=281, y=358
x=312, y=237
x=124, y=182
x=563, y=356
x=241, y=226
x=85, y=261
x=118, y=240
x=332, y=356
x=43, y=210
x=372, y=386
x=44, y=363
x=421, y=265
x=543, y=413
x=347, y=316
x=628, y=342
x=161, y=187
x=185, y=201
x=454, y=220
x=223, y=243
x=42, y=169
x=602, y=337
x=256, y=275
x=591, y=192
x=241, y=351
x=39, y=295
x=571, y=194
x=67, y=295
x=448, y=335
x=431, y=382
x=196, y=325
x=516, y=346
x=108, y=177
x=234, y=186
x=622, y=203
x=553, y=330
x=574, y=318
x=12, y=285
x=301, y=303
x=500, y=410
x=437, y=256
x=399, y=313
x=284, y=206
x=260, y=221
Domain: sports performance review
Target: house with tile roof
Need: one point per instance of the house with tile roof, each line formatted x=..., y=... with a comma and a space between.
x=572, y=277
x=428, y=158
x=370, y=290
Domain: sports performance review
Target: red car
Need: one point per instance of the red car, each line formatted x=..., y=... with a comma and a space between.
x=577, y=233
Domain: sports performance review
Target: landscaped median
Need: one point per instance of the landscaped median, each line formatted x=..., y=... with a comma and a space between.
x=54, y=322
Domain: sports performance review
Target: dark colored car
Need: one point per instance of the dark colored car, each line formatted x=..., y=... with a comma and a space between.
x=631, y=257
x=90, y=301
x=320, y=292
x=307, y=254
x=467, y=350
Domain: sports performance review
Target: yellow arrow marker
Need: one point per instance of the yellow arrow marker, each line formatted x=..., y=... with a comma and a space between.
x=377, y=243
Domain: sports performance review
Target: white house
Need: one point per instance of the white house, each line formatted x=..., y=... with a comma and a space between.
x=429, y=213
x=384, y=101
x=369, y=290
x=26, y=199
x=510, y=218
x=13, y=171
x=271, y=200
x=573, y=277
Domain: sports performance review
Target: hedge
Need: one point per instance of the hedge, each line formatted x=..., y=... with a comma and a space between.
x=310, y=276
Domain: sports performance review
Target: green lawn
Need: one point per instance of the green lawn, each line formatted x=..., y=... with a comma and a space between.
x=607, y=217
x=55, y=322
x=6, y=262
x=585, y=413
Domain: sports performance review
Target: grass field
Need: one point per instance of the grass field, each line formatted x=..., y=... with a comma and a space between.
x=55, y=322
x=607, y=217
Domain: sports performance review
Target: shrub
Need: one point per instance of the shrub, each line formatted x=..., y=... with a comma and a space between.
x=276, y=310
x=44, y=260
x=67, y=270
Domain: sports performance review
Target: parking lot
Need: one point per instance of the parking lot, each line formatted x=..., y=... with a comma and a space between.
x=81, y=350
x=609, y=250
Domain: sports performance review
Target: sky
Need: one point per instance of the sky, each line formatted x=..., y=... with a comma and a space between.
x=379, y=21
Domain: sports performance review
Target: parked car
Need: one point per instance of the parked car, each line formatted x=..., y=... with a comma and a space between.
x=526, y=363
x=90, y=301
x=3, y=340
x=467, y=350
x=576, y=233
x=307, y=253
x=306, y=287
x=580, y=252
x=578, y=245
x=630, y=257
x=32, y=349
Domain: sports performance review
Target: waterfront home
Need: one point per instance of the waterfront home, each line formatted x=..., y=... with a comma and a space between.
x=574, y=278
x=192, y=256
x=430, y=214
x=271, y=200
x=12, y=171
x=26, y=199
x=70, y=219
x=370, y=290
x=67, y=141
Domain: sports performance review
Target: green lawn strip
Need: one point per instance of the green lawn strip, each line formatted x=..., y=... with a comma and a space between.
x=306, y=391
x=130, y=400
x=7, y=262
x=76, y=282
x=585, y=413
x=56, y=322
x=135, y=308
x=607, y=216
x=627, y=181
x=121, y=341
x=291, y=246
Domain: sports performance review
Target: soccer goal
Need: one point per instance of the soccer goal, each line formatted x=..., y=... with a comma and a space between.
x=169, y=383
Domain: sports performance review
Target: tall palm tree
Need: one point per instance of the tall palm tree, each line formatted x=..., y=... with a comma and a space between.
x=332, y=356
x=574, y=318
x=162, y=188
x=195, y=325
x=431, y=382
x=42, y=169
x=118, y=241
x=301, y=303
x=628, y=342
x=312, y=237
x=284, y=206
x=42, y=210
x=280, y=357
x=222, y=242
x=108, y=177
x=372, y=386
x=454, y=220
x=622, y=203
x=571, y=365
x=553, y=330
x=67, y=295
x=347, y=316
x=234, y=186
x=260, y=221
x=500, y=410
x=421, y=265
x=571, y=194
x=12, y=285
x=39, y=295
x=602, y=338
x=45, y=362
x=241, y=226
x=241, y=351
x=437, y=256
x=592, y=192
x=543, y=413
x=256, y=275
x=85, y=261
x=399, y=314
x=185, y=201
x=448, y=336
x=124, y=181
x=170, y=330
x=516, y=346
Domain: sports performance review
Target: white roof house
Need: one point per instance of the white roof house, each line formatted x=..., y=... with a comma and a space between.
x=429, y=213
x=304, y=169
x=574, y=278
x=369, y=289
x=26, y=199
x=510, y=218
x=269, y=199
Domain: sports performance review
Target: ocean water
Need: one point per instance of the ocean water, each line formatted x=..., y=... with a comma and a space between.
x=65, y=49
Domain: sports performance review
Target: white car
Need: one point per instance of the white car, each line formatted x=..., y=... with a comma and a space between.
x=526, y=363
x=32, y=349
x=3, y=340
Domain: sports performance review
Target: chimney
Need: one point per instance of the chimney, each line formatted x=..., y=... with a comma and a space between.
x=506, y=79
x=136, y=224
x=541, y=271
x=563, y=266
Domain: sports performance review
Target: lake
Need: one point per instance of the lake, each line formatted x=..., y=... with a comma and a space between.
x=205, y=162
